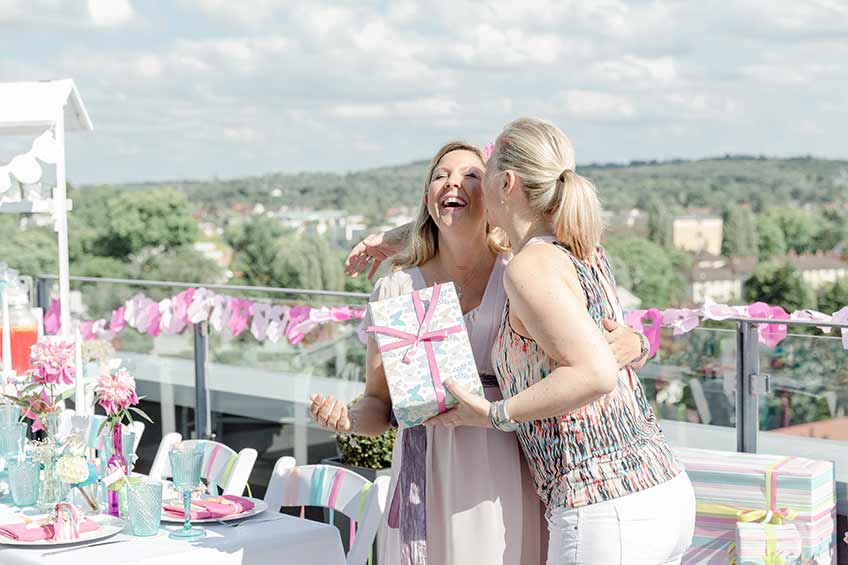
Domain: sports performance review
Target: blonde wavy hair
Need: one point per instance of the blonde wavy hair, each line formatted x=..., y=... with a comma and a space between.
x=543, y=157
x=423, y=241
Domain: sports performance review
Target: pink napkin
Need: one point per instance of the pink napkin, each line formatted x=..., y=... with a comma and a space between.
x=215, y=507
x=36, y=532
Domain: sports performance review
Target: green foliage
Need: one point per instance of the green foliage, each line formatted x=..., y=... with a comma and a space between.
x=134, y=221
x=368, y=452
x=182, y=264
x=770, y=239
x=659, y=224
x=266, y=256
x=740, y=235
x=779, y=284
x=798, y=227
x=256, y=243
x=654, y=272
x=834, y=297
x=832, y=229
x=31, y=252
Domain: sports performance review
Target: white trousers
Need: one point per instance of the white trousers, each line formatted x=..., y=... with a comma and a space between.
x=649, y=527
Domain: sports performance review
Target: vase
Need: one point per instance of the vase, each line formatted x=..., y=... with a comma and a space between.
x=52, y=490
x=116, y=460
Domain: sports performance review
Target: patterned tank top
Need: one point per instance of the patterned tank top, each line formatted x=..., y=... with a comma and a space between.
x=606, y=449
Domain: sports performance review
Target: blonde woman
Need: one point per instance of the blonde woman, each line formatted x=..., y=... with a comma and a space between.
x=613, y=490
x=459, y=495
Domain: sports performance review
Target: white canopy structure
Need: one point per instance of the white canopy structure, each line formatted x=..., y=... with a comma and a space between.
x=42, y=110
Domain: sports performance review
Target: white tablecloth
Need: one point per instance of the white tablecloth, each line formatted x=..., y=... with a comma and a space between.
x=288, y=540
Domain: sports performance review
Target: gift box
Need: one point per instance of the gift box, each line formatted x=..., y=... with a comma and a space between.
x=733, y=488
x=767, y=544
x=423, y=342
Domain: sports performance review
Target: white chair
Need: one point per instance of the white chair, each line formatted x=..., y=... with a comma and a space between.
x=334, y=488
x=222, y=467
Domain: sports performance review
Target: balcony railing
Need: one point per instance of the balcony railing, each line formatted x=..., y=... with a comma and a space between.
x=715, y=387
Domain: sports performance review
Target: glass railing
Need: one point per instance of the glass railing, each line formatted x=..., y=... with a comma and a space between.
x=258, y=392
x=689, y=383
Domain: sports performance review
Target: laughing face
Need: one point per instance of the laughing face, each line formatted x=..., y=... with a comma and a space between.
x=454, y=197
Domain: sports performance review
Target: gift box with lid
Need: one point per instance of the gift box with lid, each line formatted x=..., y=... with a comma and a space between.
x=423, y=342
x=734, y=490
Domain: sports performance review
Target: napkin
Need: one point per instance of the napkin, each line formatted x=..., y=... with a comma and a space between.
x=37, y=531
x=214, y=507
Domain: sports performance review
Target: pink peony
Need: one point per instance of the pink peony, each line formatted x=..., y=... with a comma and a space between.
x=116, y=391
x=52, y=362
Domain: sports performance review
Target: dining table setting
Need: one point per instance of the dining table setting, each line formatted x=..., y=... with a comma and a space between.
x=69, y=492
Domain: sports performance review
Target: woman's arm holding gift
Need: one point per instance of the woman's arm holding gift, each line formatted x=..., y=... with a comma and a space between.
x=371, y=415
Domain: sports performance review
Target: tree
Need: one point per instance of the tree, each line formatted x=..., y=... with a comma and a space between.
x=31, y=252
x=133, y=221
x=834, y=297
x=770, y=239
x=650, y=269
x=779, y=284
x=308, y=262
x=182, y=264
x=798, y=227
x=660, y=224
x=832, y=230
x=740, y=235
x=255, y=244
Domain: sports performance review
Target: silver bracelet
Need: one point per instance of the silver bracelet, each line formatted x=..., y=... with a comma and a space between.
x=646, y=348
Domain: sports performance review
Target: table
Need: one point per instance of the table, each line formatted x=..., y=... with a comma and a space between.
x=288, y=539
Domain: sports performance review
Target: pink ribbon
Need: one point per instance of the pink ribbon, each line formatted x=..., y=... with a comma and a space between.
x=769, y=334
x=52, y=320
x=424, y=336
x=117, y=322
x=239, y=313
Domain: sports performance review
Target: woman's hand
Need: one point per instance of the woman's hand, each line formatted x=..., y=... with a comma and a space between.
x=625, y=343
x=472, y=410
x=331, y=413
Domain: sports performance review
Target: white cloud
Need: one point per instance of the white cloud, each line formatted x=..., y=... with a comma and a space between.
x=264, y=85
x=110, y=13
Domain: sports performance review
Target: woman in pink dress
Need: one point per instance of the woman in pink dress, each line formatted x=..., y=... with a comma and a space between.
x=479, y=501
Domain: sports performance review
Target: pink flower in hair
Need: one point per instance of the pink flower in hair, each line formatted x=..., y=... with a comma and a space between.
x=116, y=391
x=490, y=148
x=52, y=362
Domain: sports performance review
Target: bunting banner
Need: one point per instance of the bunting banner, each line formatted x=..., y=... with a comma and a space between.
x=265, y=321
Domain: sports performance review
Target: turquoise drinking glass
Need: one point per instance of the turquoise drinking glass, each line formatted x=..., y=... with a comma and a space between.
x=145, y=508
x=186, y=467
x=24, y=481
x=12, y=438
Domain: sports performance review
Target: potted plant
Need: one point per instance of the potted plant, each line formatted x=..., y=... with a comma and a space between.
x=370, y=457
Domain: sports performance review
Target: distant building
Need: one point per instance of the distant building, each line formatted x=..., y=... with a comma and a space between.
x=723, y=279
x=633, y=221
x=336, y=225
x=719, y=278
x=820, y=269
x=698, y=232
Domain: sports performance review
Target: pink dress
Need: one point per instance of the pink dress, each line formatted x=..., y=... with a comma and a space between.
x=481, y=502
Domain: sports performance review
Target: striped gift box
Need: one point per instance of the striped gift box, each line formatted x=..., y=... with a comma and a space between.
x=731, y=487
x=767, y=544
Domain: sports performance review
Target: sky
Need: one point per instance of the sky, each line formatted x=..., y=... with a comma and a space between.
x=221, y=88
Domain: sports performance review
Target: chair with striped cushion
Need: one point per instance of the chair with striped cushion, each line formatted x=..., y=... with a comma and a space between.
x=223, y=468
x=334, y=488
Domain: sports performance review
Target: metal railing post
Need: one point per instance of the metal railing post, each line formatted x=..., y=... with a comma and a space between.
x=202, y=415
x=747, y=375
x=42, y=293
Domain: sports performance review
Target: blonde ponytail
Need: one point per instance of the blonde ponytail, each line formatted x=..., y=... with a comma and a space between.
x=543, y=157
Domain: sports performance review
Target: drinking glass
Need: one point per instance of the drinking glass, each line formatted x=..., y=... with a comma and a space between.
x=145, y=507
x=186, y=467
x=24, y=481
